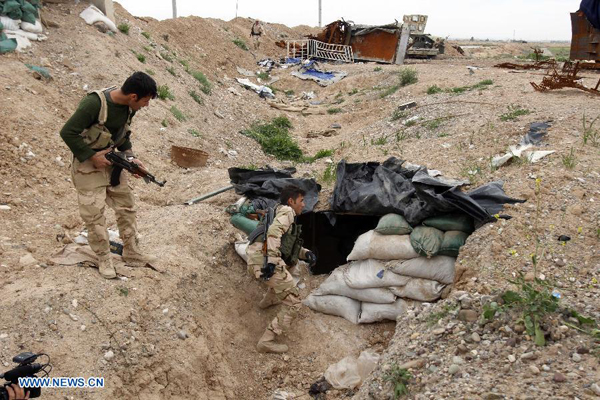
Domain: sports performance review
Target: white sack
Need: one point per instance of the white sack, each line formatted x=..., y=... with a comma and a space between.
x=240, y=248
x=22, y=41
x=371, y=274
x=336, y=284
x=419, y=289
x=334, y=305
x=34, y=28
x=10, y=24
x=350, y=372
x=91, y=15
x=379, y=312
x=382, y=247
x=439, y=268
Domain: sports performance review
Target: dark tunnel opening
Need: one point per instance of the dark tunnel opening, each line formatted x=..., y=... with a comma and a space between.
x=333, y=243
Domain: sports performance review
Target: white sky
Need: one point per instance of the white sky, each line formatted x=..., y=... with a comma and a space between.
x=493, y=19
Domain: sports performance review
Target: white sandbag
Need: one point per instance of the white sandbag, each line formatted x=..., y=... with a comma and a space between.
x=372, y=312
x=350, y=372
x=22, y=41
x=336, y=284
x=371, y=274
x=10, y=24
x=91, y=15
x=34, y=28
x=382, y=247
x=439, y=268
x=341, y=306
x=419, y=289
x=240, y=248
x=25, y=34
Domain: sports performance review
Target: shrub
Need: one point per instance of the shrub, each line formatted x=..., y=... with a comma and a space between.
x=205, y=87
x=408, y=76
x=166, y=56
x=334, y=110
x=150, y=72
x=146, y=35
x=513, y=113
x=434, y=89
x=274, y=139
x=263, y=76
x=171, y=70
x=240, y=43
x=196, y=97
x=164, y=93
x=179, y=116
x=141, y=58
x=124, y=28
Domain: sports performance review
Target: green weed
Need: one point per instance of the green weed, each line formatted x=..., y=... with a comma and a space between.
x=196, y=97
x=251, y=167
x=185, y=64
x=569, y=160
x=434, y=89
x=263, y=76
x=274, y=138
x=179, y=116
x=410, y=123
x=289, y=92
x=123, y=291
x=377, y=69
x=164, y=122
x=150, y=72
x=240, y=43
x=205, y=85
x=400, y=135
x=124, y=28
x=164, y=93
x=320, y=154
x=399, y=378
x=408, y=76
x=398, y=114
x=433, y=125
x=171, y=70
x=166, y=56
x=353, y=92
x=513, y=113
x=141, y=58
x=380, y=141
x=146, y=35
x=334, y=110
x=148, y=49
x=330, y=174
x=389, y=91
x=590, y=134
x=194, y=132
x=433, y=318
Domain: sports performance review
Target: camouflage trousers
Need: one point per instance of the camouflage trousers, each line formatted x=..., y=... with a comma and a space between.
x=93, y=193
x=281, y=285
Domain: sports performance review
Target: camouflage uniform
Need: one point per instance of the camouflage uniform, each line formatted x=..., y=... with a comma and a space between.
x=281, y=287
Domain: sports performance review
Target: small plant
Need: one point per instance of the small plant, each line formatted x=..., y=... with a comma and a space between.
x=433, y=125
x=171, y=70
x=400, y=135
x=377, y=69
x=240, y=43
x=399, y=378
x=590, y=134
x=275, y=139
x=434, y=89
x=146, y=35
x=185, y=64
x=124, y=28
x=334, y=110
x=398, y=114
x=273, y=89
x=353, y=92
x=408, y=76
x=433, y=318
x=251, y=167
x=569, y=160
x=194, y=132
x=148, y=49
x=123, y=291
x=164, y=122
x=164, y=93
x=289, y=93
x=205, y=87
x=263, y=76
x=330, y=174
x=166, y=56
x=141, y=58
x=150, y=72
x=179, y=116
x=380, y=141
x=389, y=91
x=196, y=97
x=320, y=154
x=410, y=123
x=513, y=113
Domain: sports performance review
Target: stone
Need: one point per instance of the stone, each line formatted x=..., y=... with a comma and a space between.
x=558, y=377
x=457, y=360
x=576, y=357
x=4, y=207
x=512, y=358
x=109, y=355
x=27, y=260
x=546, y=368
x=528, y=356
x=493, y=396
x=576, y=209
x=595, y=388
x=534, y=370
x=439, y=331
x=461, y=349
x=413, y=364
x=468, y=315
x=182, y=335
x=453, y=369
x=583, y=350
x=512, y=342
x=530, y=276
x=475, y=337
x=519, y=328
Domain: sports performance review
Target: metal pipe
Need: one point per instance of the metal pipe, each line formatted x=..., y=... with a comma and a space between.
x=319, y=13
x=174, y=8
x=208, y=195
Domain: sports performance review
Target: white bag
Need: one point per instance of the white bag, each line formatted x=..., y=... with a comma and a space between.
x=334, y=305
x=419, y=289
x=10, y=24
x=379, y=312
x=350, y=372
x=34, y=28
x=336, y=284
x=382, y=247
x=240, y=248
x=371, y=274
x=22, y=40
x=439, y=268
x=91, y=15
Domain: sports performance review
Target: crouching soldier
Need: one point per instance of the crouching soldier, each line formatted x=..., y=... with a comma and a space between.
x=283, y=248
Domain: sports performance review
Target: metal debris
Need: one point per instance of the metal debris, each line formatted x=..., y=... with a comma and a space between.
x=567, y=78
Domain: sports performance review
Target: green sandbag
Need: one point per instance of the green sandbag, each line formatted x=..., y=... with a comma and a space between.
x=451, y=222
x=453, y=241
x=8, y=45
x=393, y=224
x=27, y=7
x=12, y=9
x=426, y=241
x=3, y=37
x=28, y=17
x=1, y=25
x=244, y=224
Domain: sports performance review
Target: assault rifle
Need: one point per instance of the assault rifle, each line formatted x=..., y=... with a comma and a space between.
x=120, y=163
x=268, y=269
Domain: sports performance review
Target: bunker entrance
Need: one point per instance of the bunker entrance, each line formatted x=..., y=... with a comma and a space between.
x=333, y=243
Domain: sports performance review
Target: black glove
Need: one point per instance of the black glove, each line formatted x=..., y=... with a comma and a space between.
x=311, y=258
x=267, y=271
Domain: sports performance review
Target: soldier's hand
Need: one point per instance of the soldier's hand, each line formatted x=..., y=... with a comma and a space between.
x=311, y=258
x=16, y=392
x=140, y=164
x=99, y=160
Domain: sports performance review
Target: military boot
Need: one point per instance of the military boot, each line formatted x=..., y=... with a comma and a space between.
x=133, y=257
x=106, y=268
x=268, y=300
x=267, y=344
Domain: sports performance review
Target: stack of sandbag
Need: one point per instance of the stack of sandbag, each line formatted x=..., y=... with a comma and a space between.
x=391, y=266
x=21, y=23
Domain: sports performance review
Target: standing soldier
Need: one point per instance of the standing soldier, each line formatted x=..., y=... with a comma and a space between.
x=283, y=249
x=100, y=123
x=256, y=33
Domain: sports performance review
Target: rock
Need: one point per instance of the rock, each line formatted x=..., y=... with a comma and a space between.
x=457, y=360
x=4, y=207
x=493, y=396
x=468, y=315
x=512, y=358
x=528, y=356
x=534, y=370
x=439, y=331
x=27, y=260
x=558, y=377
x=182, y=335
x=413, y=364
x=576, y=209
x=530, y=276
x=475, y=337
x=512, y=342
x=83, y=328
x=576, y=357
x=461, y=349
x=583, y=350
x=109, y=355
x=218, y=115
x=519, y=328
x=595, y=388
x=336, y=126
x=546, y=368
x=453, y=369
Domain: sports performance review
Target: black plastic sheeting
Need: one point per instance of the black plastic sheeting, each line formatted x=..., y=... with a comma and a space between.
x=378, y=189
x=537, y=131
x=264, y=186
x=591, y=9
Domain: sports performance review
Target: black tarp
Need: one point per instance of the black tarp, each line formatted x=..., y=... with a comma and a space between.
x=591, y=9
x=377, y=189
x=264, y=186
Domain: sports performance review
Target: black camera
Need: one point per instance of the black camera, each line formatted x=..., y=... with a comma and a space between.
x=26, y=368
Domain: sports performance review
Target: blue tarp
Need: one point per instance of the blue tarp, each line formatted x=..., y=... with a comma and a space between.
x=591, y=9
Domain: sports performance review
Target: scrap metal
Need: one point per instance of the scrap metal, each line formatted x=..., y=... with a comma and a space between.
x=585, y=42
x=565, y=79
x=539, y=64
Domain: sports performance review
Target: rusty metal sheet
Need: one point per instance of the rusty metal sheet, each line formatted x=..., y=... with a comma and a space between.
x=377, y=46
x=567, y=78
x=585, y=43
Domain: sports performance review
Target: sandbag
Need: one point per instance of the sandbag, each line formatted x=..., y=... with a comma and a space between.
x=240, y=249
x=371, y=312
x=336, y=284
x=8, y=45
x=91, y=15
x=419, y=289
x=426, y=241
x=453, y=241
x=34, y=28
x=244, y=224
x=9, y=23
x=334, y=305
x=350, y=372
x=29, y=9
x=393, y=224
x=371, y=274
x=12, y=9
x=372, y=245
x=439, y=268
x=451, y=222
